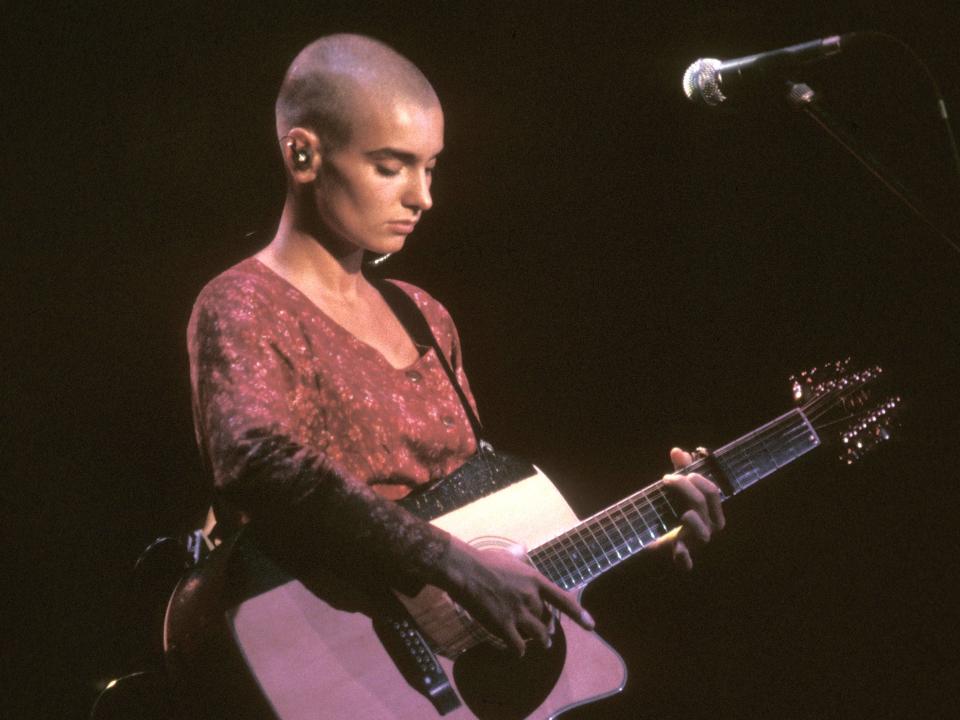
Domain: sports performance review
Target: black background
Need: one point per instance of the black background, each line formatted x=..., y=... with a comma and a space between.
x=628, y=272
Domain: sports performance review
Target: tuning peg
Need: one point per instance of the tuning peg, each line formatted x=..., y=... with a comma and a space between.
x=835, y=377
x=870, y=429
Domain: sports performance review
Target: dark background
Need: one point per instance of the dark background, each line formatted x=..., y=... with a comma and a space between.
x=628, y=272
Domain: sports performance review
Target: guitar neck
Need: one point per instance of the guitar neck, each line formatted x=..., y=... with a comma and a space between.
x=625, y=528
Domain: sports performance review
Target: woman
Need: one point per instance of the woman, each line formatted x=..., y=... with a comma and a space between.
x=313, y=404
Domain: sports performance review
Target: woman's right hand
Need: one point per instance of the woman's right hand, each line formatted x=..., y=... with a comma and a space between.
x=507, y=595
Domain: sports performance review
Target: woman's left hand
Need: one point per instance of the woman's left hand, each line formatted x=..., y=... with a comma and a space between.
x=700, y=510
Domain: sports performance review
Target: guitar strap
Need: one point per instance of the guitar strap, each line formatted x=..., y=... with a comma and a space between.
x=427, y=676
x=413, y=320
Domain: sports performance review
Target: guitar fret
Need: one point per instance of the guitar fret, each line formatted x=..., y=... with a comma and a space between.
x=548, y=566
x=593, y=552
x=654, y=534
x=567, y=568
x=559, y=559
x=636, y=515
x=767, y=449
x=573, y=553
x=558, y=576
x=670, y=511
x=620, y=532
x=576, y=554
x=633, y=541
x=647, y=533
x=613, y=544
x=633, y=530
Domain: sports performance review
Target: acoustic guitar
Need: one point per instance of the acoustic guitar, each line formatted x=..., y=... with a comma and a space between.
x=248, y=637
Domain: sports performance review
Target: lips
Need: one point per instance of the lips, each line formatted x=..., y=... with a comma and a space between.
x=402, y=226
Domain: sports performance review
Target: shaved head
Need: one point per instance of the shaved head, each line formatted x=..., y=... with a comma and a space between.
x=332, y=79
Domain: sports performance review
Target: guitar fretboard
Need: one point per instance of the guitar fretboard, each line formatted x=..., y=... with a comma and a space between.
x=611, y=536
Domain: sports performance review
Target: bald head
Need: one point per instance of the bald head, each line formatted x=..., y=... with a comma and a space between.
x=333, y=78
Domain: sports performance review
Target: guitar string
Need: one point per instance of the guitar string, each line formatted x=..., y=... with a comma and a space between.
x=607, y=517
x=436, y=623
x=745, y=459
x=599, y=555
x=601, y=560
x=583, y=541
x=794, y=428
x=576, y=534
x=549, y=551
x=740, y=457
x=737, y=457
x=789, y=428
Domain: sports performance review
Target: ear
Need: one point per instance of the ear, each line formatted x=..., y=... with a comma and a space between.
x=301, y=154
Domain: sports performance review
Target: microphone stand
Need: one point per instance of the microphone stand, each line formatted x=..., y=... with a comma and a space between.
x=802, y=97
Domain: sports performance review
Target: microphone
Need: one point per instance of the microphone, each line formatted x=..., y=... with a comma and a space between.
x=707, y=80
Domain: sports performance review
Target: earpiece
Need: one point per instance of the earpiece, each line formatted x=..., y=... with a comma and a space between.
x=301, y=158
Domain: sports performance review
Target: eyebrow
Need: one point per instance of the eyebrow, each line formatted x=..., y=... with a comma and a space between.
x=401, y=155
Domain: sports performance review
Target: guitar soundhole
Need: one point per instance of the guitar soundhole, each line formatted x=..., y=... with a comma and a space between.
x=497, y=685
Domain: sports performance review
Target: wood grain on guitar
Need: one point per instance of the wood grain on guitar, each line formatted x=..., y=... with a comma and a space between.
x=254, y=641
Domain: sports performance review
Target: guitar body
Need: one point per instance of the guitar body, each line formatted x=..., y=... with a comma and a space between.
x=251, y=641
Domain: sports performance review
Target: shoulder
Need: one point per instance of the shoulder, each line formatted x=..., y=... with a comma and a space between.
x=246, y=298
x=440, y=321
x=247, y=283
x=432, y=309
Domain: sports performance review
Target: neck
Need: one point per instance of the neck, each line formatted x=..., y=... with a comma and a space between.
x=604, y=540
x=306, y=253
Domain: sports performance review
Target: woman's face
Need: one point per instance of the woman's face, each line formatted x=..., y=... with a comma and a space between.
x=372, y=191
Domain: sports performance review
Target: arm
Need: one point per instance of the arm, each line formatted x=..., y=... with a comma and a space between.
x=258, y=424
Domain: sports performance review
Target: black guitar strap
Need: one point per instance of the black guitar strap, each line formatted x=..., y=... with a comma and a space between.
x=414, y=657
x=416, y=324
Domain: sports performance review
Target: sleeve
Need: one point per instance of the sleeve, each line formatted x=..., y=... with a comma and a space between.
x=251, y=418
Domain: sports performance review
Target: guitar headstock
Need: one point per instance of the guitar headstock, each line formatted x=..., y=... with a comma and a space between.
x=842, y=405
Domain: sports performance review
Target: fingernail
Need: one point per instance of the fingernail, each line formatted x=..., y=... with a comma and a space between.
x=549, y=643
x=587, y=619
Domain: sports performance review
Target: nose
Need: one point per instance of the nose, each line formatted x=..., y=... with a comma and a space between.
x=417, y=191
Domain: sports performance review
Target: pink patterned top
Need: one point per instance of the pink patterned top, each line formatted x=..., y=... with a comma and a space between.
x=277, y=383
x=310, y=432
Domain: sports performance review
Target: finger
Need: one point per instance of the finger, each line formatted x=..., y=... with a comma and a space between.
x=681, y=556
x=680, y=458
x=566, y=603
x=711, y=494
x=690, y=495
x=535, y=629
x=693, y=528
x=515, y=640
x=550, y=614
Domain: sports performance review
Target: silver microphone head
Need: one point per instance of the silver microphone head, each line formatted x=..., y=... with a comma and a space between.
x=701, y=84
